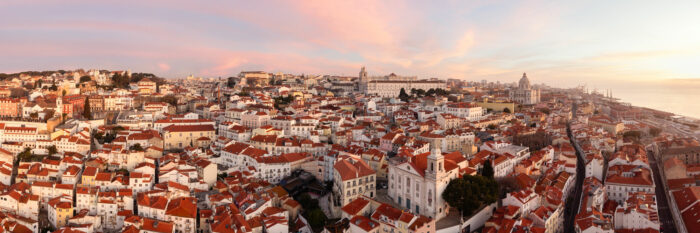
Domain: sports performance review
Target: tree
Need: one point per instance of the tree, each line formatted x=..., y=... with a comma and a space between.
x=316, y=218
x=63, y=92
x=25, y=155
x=430, y=92
x=34, y=115
x=491, y=126
x=654, y=131
x=85, y=79
x=469, y=193
x=49, y=114
x=86, y=109
x=230, y=83
x=545, y=110
x=98, y=136
x=171, y=99
x=120, y=81
x=136, y=147
x=487, y=170
x=38, y=84
x=52, y=150
x=506, y=110
x=403, y=96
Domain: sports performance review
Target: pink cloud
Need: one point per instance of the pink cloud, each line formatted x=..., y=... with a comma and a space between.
x=163, y=66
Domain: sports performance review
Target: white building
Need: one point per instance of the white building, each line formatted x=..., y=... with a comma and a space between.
x=524, y=94
x=417, y=184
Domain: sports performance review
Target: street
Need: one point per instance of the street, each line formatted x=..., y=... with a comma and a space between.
x=664, y=212
x=572, y=206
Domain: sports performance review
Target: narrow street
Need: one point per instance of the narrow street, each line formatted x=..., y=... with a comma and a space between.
x=662, y=202
x=572, y=206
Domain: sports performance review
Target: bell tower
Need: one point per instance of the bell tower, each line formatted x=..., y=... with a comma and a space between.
x=436, y=164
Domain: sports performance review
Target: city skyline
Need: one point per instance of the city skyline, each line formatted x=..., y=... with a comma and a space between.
x=558, y=44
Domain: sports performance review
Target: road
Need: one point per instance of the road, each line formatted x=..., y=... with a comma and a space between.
x=573, y=205
x=664, y=212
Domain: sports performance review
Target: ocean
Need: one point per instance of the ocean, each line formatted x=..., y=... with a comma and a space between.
x=678, y=96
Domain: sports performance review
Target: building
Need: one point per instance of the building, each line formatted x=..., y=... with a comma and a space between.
x=622, y=180
x=181, y=136
x=390, y=86
x=524, y=94
x=353, y=179
x=685, y=206
x=146, y=86
x=417, y=183
x=607, y=123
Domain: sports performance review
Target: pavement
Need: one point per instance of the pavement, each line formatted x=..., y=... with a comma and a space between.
x=662, y=202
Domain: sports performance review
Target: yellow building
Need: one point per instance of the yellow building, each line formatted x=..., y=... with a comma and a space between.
x=60, y=211
x=497, y=106
x=88, y=177
x=181, y=136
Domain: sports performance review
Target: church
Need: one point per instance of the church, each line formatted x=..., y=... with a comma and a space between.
x=390, y=86
x=524, y=94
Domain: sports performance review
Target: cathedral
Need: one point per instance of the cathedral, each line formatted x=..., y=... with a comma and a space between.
x=524, y=94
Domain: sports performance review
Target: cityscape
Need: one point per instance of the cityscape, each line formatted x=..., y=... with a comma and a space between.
x=381, y=140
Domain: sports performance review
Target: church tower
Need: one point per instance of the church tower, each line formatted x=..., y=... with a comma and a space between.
x=436, y=164
x=59, y=106
x=363, y=74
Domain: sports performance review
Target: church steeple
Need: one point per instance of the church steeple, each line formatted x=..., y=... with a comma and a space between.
x=436, y=163
x=363, y=74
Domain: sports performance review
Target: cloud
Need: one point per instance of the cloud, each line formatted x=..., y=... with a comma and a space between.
x=163, y=67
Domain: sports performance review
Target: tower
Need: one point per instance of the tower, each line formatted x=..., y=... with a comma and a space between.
x=436, y=164
x=59, y=107
x=363, y=74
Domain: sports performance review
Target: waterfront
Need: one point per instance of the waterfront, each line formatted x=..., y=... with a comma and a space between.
x=680, y=97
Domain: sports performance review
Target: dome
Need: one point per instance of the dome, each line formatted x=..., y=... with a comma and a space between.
x=524, y=82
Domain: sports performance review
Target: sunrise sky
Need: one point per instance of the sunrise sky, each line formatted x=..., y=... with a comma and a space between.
x=561, y=43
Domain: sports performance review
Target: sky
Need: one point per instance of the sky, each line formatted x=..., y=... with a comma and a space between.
x=560, y=43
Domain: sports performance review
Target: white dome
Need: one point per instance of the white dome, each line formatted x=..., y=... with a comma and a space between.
x=524, y=82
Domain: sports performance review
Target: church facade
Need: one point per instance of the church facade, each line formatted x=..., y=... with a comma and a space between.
x=524, y=94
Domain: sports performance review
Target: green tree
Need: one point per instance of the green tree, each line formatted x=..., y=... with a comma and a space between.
x=654, y=131
x=120, y=81
x=25, y=155
x=491, y=126
x=230, y=83
x=63, y=93
x=52, y=150
x=136, y=147
x=85, y=79
x=316, y=218
x=171, y=99
x=403, y=96
x=487, y=170
x=506, y=110
x=469, y=193
x=99, y=135
x=86, y=109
